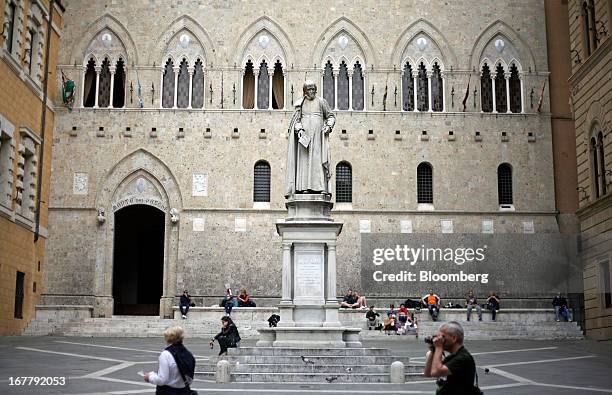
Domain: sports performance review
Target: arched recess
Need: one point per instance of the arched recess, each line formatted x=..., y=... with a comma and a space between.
x=425, y=28
x=106, y=21
x=139, y=178
x=345, y=25
x=278, y=34
x=158, y=48
x=525, y=55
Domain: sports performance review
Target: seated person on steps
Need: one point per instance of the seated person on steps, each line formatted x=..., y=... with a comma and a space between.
x=472, y=303
x=432, y=302
x=244, y=300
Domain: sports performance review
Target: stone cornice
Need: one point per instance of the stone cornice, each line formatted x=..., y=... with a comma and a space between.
x=588, y=64
x=597, y=206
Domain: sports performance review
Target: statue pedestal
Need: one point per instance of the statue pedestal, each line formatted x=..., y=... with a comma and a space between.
x=309, y=308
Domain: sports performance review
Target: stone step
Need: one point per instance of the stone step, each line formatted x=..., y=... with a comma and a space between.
x=319, y=360
x=285, y=351
x=307, y=369
x=318, y=377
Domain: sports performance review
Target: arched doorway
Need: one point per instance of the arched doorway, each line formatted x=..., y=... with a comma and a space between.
x=138, y=260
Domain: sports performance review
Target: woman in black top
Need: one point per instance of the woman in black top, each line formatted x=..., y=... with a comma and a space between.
x=228, y=337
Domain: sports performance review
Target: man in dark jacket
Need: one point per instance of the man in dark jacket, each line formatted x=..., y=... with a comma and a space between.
x=560, y=304
x=185, y=303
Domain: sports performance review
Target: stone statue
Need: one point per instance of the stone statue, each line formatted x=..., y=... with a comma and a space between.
x=308, y=159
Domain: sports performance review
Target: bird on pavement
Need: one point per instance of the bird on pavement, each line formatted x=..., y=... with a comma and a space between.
x=330, y=379
x=306, y=360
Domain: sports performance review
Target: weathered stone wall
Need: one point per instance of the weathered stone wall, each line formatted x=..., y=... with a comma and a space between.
x=591, y=88
x=383, y=163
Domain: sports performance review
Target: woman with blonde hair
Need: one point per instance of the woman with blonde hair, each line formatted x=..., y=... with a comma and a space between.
x=176, y=366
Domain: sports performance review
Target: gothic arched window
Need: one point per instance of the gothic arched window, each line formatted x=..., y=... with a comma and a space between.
x=602, y=163
x=357, y=87
x=423, y=94
x=197, y=88
x=343, y=87
x=168, y=85
x=105, y=84
x=329, y=92
x=89, y=88
x=504, y=184
x=263, y=86
x=344, y=183
x=515, y=90
x=248, y=87
x=182, y=90
x=278, y=87
x=407, y=88
x=424, y=183
x=486, y=89
x=437, y=88
x=119, y=85
x=261, y=187
x=500, y=90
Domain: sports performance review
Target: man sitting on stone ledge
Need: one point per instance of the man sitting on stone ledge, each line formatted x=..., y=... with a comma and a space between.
x=472, y=303
x=349, y=301
x=372, y=318
x=432, y=302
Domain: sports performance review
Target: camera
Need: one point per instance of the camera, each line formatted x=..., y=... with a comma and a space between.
x=429, y=340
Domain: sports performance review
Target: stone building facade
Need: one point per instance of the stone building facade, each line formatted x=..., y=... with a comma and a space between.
x=184, y=108
x=591, y=94
x=26, y=135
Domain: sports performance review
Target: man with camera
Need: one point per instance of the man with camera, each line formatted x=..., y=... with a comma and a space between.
x=457, y=370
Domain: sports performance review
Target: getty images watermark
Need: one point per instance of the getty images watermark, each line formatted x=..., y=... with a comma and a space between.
x=412, y=256
x=515, y=264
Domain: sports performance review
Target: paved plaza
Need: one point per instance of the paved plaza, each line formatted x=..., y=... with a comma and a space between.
x=111, y=366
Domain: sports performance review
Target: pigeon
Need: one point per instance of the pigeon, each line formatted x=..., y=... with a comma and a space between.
x=486, y=370
x=330, y=379
x=349, y=369
x=306, y=360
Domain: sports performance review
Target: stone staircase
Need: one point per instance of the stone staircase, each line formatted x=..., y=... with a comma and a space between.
x=268, y=364
x=203, y=322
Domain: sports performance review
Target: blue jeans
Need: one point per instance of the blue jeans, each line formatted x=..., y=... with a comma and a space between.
x=432, y=308
x=562, y=311
x=184, y=309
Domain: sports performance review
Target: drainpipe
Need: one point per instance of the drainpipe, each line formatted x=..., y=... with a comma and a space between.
x=43, y=122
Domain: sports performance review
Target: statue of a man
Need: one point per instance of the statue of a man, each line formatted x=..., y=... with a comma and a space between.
x=308, y=160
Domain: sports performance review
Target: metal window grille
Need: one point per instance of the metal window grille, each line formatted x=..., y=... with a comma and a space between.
x=10, y=27
x=500, y=90
x=486, y=89
x=424, y=183
x=343, y=87
x=515, y=90
x=328, y=85
x=407, y=89
x=261, y=189
x=344, y=183
x=504, y=184
x=607, y=293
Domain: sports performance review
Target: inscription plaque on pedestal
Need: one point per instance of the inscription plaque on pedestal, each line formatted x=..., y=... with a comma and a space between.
x=309, y=283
